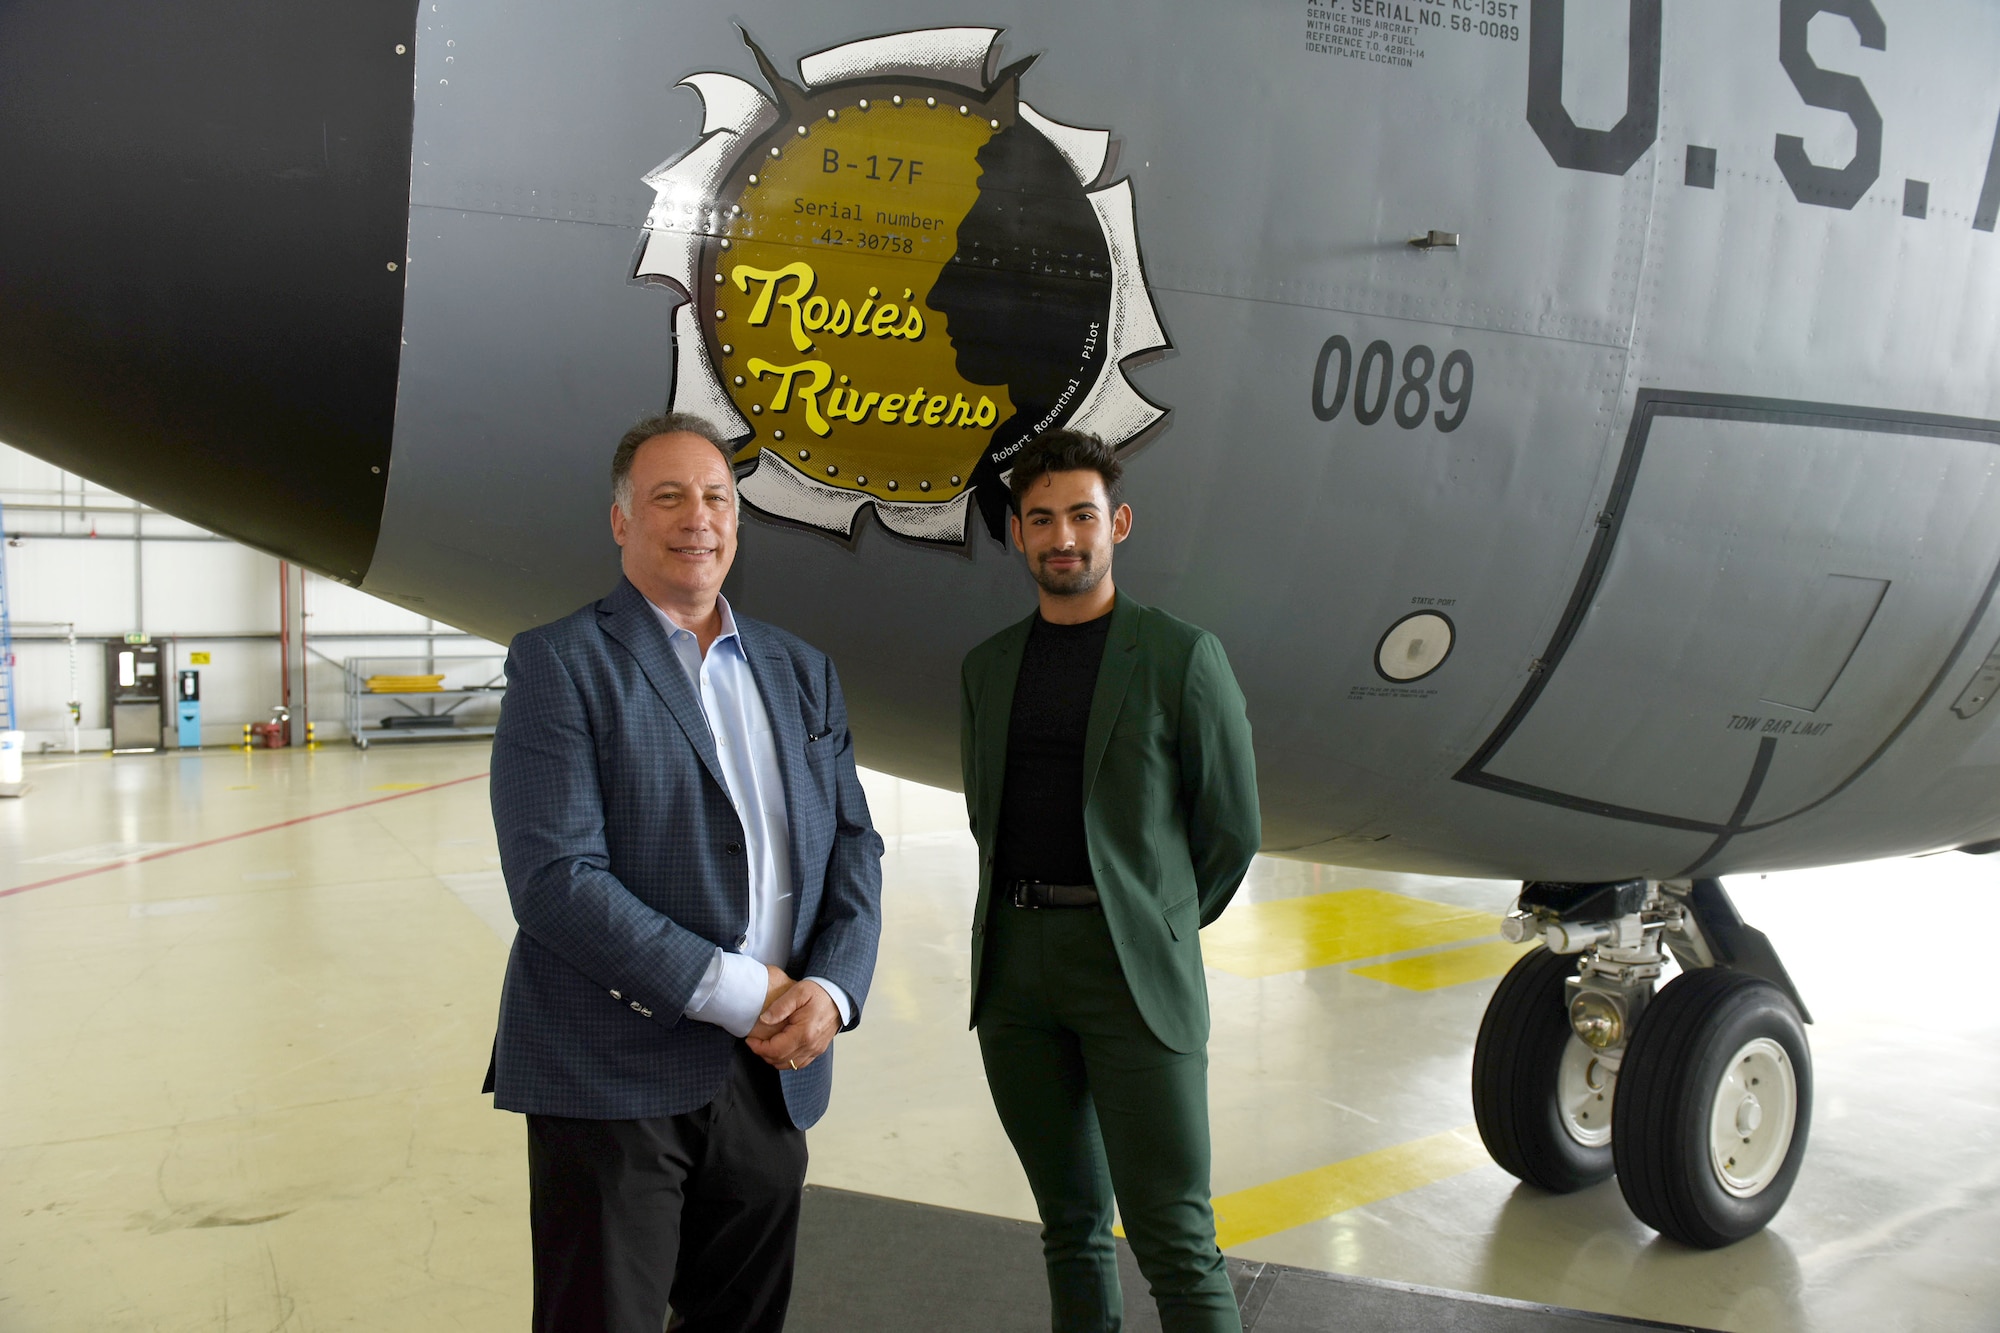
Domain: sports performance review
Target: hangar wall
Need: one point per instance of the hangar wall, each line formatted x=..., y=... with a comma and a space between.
x=78, y=554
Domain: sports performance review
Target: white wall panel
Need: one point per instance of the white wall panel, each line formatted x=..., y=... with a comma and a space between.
x=209, y=588
x=21, y=473
x=337, y=609
x=87, y=582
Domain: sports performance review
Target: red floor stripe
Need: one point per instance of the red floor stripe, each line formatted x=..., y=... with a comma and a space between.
x=232, y=837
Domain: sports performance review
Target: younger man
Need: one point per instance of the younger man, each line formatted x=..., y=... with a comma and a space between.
x=1113, y=794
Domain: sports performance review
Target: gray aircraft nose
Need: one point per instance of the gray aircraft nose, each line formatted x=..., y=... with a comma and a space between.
x=201, y=257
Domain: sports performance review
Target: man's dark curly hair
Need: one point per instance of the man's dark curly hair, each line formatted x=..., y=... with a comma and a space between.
x=1064, y=451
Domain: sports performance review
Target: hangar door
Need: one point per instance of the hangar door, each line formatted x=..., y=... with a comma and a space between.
x=1774, y=589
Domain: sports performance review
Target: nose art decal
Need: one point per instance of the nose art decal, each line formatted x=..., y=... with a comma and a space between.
x=893, y=274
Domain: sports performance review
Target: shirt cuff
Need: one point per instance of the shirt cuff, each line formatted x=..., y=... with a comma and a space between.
x=839, y=998
x=730, y=994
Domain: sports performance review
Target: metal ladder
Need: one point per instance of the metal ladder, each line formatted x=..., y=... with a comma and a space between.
x=6, y=637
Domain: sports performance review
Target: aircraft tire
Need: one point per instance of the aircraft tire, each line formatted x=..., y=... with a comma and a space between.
x=1714, y=1102
x=1518, y=1067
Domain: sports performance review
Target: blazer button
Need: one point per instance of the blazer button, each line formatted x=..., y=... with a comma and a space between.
x=733, y=848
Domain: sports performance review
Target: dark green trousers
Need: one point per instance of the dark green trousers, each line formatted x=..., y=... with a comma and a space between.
x=1097, y=1106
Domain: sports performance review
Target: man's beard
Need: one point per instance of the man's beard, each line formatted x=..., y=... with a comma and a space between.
x=1086, y=576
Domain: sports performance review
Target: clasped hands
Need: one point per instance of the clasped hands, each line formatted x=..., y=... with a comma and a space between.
x=798, y=1023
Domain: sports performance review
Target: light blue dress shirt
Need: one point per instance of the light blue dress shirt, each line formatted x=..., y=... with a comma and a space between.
x=731, y=993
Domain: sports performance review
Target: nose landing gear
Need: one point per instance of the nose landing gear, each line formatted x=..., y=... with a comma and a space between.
x=1707, y=1085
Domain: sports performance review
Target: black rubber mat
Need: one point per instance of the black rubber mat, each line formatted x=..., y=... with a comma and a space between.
x=889, y=1266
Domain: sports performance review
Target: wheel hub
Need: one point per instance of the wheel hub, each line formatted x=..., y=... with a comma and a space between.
x=1752, y=1118
x=1584, y=1090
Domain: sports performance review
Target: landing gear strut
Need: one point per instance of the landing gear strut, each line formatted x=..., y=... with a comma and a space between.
x=1700, y=1096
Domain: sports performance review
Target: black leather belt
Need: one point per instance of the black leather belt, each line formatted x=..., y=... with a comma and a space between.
x=1034, y=893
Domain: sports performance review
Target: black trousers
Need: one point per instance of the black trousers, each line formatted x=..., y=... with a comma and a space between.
x=699, y=1212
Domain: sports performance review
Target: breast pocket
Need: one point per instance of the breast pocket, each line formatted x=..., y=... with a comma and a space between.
x=1131, y=727
x=820, y=745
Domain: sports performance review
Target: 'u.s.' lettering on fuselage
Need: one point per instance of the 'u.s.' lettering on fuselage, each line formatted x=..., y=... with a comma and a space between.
x=1613, y=151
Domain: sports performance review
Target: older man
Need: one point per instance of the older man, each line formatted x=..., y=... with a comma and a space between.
x=690, y=858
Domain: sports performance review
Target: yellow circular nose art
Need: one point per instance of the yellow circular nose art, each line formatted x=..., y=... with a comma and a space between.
x=825, y=291
x=896, y=273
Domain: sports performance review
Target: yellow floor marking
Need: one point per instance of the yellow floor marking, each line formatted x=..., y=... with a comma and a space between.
x=1452, y=967
x=1264, y=1210
x=1290, y=934
x=398, y=786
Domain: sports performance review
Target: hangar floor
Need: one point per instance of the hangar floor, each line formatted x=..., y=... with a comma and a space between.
x=245, y=1001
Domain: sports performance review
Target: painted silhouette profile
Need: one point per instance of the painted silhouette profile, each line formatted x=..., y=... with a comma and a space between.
x=1025, y=297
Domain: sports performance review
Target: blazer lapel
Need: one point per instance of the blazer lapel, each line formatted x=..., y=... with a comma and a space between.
x=1114, y=675
x=996, y=710
x=627, y=617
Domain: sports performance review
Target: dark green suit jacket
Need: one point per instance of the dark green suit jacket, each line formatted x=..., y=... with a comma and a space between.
x=1170, y=799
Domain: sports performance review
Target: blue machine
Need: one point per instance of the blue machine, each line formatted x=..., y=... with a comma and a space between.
x=187, y=710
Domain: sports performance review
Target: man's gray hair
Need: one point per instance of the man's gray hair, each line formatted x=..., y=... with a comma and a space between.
x=665, y=423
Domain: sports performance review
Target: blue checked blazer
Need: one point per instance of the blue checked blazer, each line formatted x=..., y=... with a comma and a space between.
x=624, y=860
